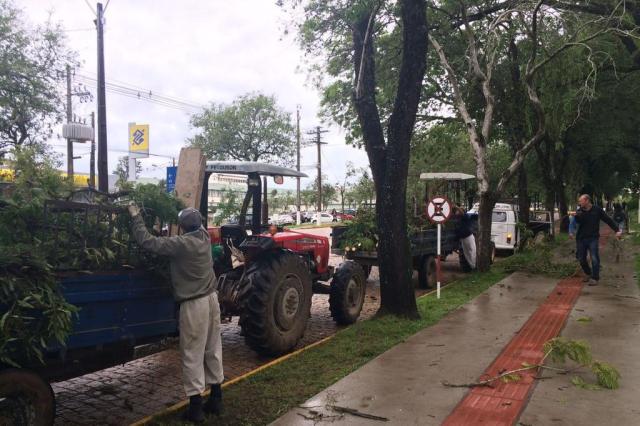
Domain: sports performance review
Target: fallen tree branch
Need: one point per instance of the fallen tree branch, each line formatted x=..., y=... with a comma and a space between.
x=358, y=413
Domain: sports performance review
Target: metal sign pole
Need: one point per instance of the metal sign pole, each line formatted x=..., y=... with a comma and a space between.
x=438, y=262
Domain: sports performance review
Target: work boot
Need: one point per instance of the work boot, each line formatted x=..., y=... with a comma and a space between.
x=593, y=282
x=586, y=279
x=194, y=413
x=214, y=403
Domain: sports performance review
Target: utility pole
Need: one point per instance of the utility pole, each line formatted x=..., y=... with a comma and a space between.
x=92, y=161
x=319, y=143
x=69, y=119
x=103, y=173
x=298, y=165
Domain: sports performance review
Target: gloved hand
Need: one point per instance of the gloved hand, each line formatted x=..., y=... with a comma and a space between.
x=618, y=234
x=134, y=210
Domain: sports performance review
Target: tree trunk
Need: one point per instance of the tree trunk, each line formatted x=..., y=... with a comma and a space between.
x=523, y=196
x=389, y=161
x=394, y=254
x=483, y=241
x=563, y=208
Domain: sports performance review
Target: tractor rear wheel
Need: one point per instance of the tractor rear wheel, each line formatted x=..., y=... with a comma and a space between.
x=427, y=272
x=25, y=399
x=276, y=309
x=347, y=292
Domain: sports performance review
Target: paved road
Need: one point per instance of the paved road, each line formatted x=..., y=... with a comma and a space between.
x=147, y=385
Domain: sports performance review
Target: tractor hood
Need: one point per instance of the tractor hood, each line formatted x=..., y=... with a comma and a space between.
x=247, y=167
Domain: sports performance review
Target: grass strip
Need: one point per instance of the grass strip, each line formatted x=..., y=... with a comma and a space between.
x=264, y=397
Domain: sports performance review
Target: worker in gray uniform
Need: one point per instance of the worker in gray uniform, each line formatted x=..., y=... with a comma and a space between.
x=194, y=288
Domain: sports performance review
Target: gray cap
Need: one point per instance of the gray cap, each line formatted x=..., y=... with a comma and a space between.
x=189, y=219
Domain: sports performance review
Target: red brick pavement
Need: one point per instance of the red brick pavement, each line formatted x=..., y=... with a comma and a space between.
x=124, y=394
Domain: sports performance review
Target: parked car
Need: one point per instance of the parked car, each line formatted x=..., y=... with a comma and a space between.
x=281, y=219
x=307, y=216
x=342, y=216
x=323, y=217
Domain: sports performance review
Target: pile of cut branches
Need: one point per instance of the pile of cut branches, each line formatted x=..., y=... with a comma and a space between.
x=34, y=248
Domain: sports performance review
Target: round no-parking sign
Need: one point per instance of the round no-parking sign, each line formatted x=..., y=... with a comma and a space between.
x=439, y=210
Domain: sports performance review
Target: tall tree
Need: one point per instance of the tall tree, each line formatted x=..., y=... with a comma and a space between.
x=251, y=128
x=535, y=23
x=351, y=33
x=32, y=65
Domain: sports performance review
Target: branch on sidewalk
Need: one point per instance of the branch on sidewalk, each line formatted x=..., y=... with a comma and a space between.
x=559, y=349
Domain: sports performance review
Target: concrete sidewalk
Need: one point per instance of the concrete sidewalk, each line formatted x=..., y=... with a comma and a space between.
x=614, y=337
x=405, y=383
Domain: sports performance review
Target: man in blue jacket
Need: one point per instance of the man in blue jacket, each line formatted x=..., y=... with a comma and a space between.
x=587, y=219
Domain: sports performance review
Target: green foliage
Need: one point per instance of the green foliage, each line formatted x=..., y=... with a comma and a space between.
x=560, y=349
x=156, y=204
x=251, y=128
x=35, y=247
x=227, y=207
x=32, y=62
x=513, y=377
x=608, y=376
x=537, y=260
x=122, y=171
x=579, y=382
x=362, y=233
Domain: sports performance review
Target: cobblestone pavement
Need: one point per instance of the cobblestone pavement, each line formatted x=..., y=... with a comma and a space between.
x=124, y=394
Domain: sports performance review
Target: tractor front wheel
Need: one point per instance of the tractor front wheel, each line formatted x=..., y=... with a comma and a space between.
x=25, y=398
x=347, y=293
x=276, y=309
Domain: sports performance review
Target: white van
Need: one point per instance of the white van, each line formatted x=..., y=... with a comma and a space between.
x=504, y=225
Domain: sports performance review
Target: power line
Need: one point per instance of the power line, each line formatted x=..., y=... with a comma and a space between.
x=137, y=92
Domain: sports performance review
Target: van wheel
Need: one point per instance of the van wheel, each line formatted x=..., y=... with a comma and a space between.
x=493, y=252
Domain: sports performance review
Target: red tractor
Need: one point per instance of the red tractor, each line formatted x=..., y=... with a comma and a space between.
x=268, y=277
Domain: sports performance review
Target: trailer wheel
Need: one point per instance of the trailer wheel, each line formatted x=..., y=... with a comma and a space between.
x=366, y=269
x=276, y=309
x=25, y=399
x=427, y=272
x=346, y=296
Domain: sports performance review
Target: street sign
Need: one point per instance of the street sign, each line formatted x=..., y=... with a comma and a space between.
x=138, y=140
x=171, y=178
x=439, y=210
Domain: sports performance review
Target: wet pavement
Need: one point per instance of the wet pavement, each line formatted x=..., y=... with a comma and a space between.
x=498, y=331
x=124, y=394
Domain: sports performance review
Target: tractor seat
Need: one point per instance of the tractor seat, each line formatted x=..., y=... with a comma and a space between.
x=235, y=233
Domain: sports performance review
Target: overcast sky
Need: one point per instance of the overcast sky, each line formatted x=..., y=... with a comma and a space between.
x=197, y=51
